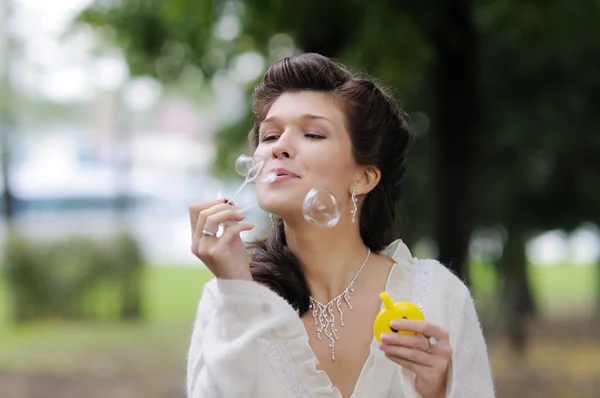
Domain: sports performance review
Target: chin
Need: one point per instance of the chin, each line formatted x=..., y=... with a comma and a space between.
x=280, y=203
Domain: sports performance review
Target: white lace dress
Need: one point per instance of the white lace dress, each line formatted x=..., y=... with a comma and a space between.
x=249, y=342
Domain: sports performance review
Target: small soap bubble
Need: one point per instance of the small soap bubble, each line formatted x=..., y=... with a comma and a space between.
x=242, y=164
x=320, y=208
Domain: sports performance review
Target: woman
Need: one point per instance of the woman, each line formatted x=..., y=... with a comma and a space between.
x=295, y=318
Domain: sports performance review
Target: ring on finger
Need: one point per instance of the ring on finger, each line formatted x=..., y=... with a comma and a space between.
x=432, y=342
x=208, y=233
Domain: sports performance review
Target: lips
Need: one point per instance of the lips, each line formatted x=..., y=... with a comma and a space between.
x=285, y=173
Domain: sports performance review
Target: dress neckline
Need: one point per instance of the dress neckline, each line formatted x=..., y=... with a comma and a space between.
x=376, y=363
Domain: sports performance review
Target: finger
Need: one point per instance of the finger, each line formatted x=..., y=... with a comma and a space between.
x=406, y=340
x=234, y=231
x=409, y=354
x=230, y=215
x=414, y=367
x=196, y=208
x=421, y=327
x=203, y=216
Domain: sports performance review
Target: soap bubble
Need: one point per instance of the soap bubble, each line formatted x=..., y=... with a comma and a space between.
x=320, y=208
x=243, y=164
x=248, y=167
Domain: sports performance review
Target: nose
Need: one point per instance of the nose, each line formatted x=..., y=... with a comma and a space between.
x=283, y=148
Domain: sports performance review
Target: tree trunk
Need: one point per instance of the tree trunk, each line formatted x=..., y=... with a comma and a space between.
x=517, y=298
x=6, y=121
x=597, y=312
x=456, y=122
x=8, y=199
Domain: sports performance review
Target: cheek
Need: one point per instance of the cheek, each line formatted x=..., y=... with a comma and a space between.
x=332, y=165
x=331, y=171
x=262, y=152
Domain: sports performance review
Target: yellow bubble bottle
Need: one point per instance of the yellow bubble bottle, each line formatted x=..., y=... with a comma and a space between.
x=393, y=311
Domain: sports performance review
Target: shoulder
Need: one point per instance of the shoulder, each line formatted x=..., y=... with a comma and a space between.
x=443, y=281
x=440, y=272
x=444, y=298
x=426, y=278
x=422, y=268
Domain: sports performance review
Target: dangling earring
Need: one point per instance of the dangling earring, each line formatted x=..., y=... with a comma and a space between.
x=272, y=217
x=355, y=208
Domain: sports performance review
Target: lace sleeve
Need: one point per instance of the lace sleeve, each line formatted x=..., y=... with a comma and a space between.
x=470, y=375
x=232, y=317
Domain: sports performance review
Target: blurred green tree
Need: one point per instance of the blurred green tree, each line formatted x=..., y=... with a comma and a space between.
x=72, y=278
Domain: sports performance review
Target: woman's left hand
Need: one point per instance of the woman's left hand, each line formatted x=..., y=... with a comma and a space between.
x=430, y=362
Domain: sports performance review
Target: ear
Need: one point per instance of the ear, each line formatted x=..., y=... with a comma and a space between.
x=367, y=179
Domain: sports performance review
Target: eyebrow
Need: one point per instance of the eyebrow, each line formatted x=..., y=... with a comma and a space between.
x=305, y=116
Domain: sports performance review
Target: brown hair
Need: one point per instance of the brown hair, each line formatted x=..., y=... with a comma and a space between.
x=380, y=136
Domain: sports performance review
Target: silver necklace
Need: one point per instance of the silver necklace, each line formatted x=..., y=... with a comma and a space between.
x=324, y=314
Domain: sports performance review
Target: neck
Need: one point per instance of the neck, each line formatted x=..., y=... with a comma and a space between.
x=330, y=257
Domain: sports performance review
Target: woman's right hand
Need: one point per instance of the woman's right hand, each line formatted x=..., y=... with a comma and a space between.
x=225, y=256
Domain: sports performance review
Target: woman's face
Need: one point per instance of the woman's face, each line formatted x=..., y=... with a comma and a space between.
x=304, y=138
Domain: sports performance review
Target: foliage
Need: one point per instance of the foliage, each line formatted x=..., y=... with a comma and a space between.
x=537, y=78
x=57, y=279
x=540, y=82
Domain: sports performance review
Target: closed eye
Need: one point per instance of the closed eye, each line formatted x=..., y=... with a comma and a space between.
x=271, y=137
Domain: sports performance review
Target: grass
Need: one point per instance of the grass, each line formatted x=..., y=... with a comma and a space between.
x=147, y=356
x=172, y=293
x=559, y=290
x=171, y=297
